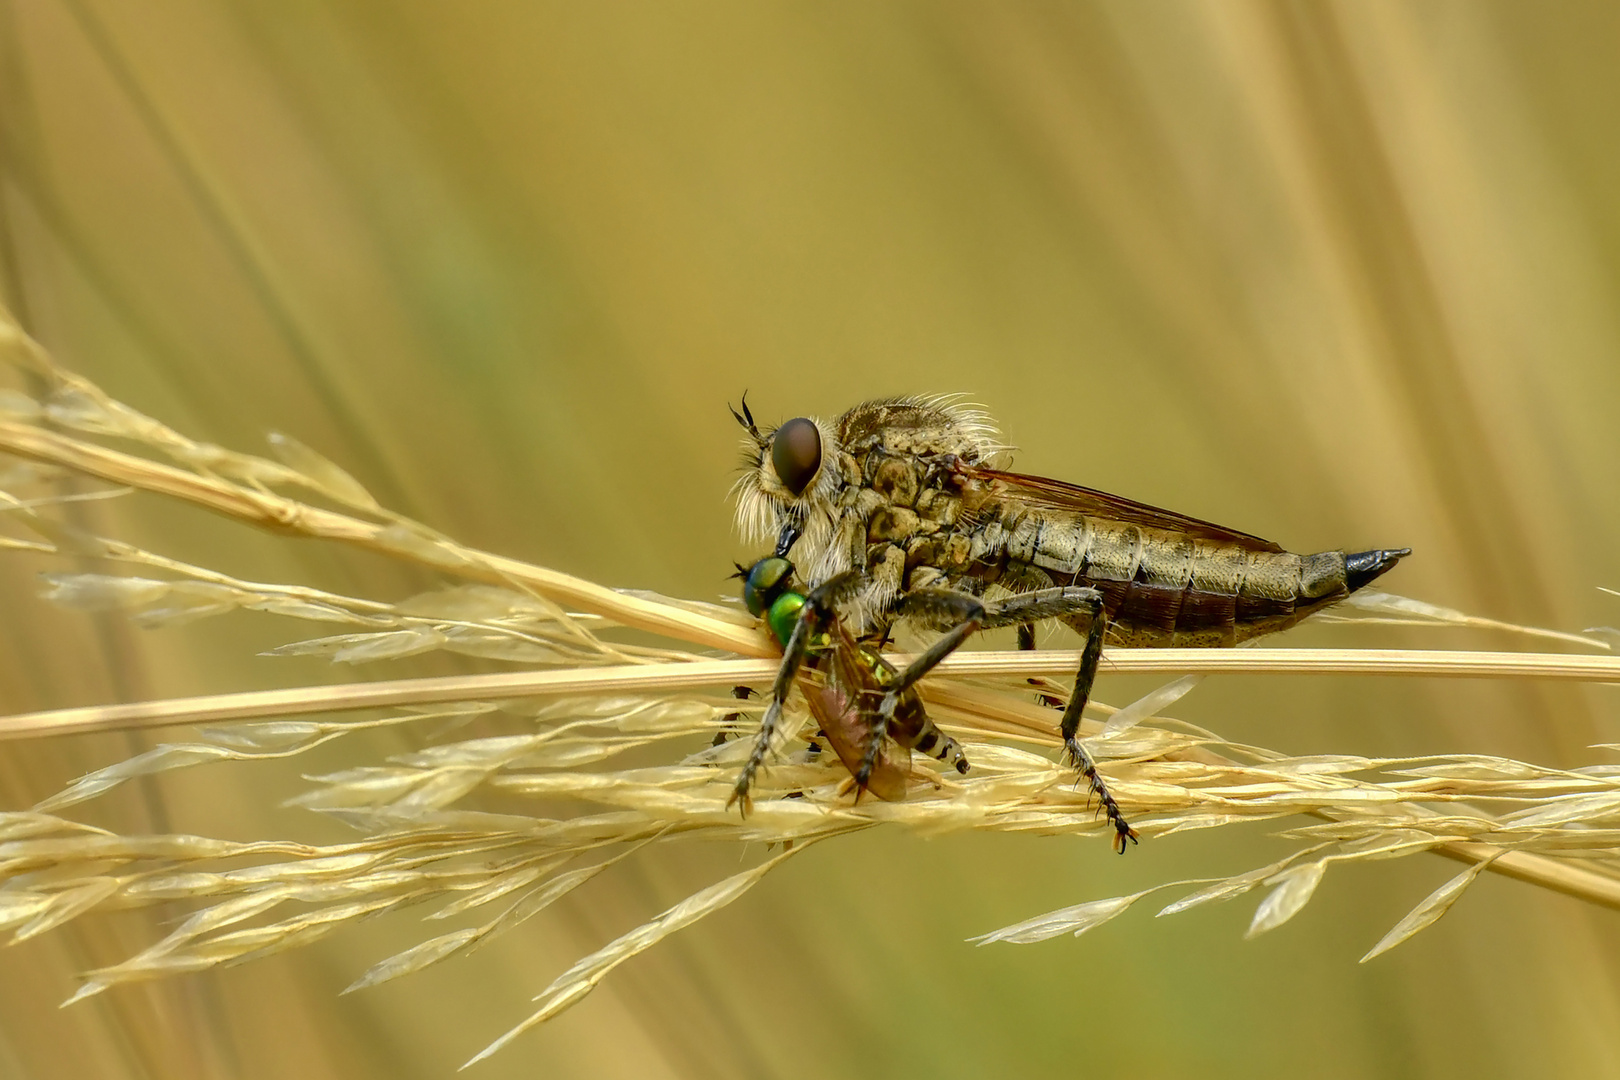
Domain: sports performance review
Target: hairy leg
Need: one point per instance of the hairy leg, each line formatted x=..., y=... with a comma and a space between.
x=963, y=614
x=820, y=608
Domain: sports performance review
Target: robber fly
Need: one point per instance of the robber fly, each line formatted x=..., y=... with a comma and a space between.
x=857, y=678
x=899, y=510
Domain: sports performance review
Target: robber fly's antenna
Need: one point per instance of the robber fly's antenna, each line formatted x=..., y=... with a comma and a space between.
x=746, y=419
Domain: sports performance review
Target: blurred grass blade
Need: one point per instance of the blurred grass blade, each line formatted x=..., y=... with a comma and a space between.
x=579, y=980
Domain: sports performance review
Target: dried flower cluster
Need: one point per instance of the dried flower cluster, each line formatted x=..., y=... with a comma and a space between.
x=582, y=703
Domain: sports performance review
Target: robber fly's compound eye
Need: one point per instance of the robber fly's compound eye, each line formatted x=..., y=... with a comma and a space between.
x=796, y=453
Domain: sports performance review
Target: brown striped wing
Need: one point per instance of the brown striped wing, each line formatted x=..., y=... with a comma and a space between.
x=1039, y=492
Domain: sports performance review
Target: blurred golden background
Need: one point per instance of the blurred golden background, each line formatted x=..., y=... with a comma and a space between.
x=1344, y=275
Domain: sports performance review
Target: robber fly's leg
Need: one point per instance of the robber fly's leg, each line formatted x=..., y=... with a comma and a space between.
x=1026, y=643
x=877, y=732
x=820, y=607
x=728, y=725
x=959, y=611
x=1080, y=607
x=1089, y=608
x=960, y=614
x=792, y=657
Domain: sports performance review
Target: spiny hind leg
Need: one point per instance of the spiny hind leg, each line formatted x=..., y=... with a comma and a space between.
x=1026, y=643
x=1081, y=608
x=820, y=608
x=959, y=614
x=1088, y=613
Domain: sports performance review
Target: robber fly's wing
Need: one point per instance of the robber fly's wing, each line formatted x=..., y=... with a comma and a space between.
x=843, y=708
x=1040, y=492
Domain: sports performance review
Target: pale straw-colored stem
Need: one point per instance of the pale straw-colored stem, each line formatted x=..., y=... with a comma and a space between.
x=1565, y=877
x=280, y=514
x=657, y=678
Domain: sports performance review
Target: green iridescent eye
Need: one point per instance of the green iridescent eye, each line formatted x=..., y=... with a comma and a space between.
x=796, y=453
x=784, y=616
x=764, y=583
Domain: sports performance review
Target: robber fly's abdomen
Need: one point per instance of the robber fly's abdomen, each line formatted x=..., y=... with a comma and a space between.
x=1170, y=589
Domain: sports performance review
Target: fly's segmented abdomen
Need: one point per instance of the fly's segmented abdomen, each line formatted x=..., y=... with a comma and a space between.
x=912, y=728
x=1163, y=588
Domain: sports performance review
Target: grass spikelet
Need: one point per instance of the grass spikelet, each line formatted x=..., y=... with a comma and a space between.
x=1071, y=920
x=1294, y=888
x=1429, y=911
x=606, y=748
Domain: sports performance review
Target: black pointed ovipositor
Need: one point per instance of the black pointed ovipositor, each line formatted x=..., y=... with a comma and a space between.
x=1363, y=566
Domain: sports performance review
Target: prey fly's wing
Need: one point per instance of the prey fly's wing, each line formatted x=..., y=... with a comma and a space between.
x=844, y=708
x=1043, y=493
